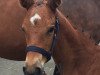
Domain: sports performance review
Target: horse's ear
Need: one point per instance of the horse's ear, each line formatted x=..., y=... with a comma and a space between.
x=54, y=3
x=27, y=3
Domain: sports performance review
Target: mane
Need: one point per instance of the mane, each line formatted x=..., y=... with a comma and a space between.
x=83, y=39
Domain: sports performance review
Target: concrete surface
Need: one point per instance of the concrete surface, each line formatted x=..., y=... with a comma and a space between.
x=9, y=67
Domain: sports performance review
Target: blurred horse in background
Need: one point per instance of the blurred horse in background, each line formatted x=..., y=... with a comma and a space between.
x=12, y=39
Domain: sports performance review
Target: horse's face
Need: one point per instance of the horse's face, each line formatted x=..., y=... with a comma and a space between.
x=39, y=26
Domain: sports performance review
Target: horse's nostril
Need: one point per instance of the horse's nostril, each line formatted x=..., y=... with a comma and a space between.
x=24, y=68
x=36, y=71
x=24, y=71
x=39, y=71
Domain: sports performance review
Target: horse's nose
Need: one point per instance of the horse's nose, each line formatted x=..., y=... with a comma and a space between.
x=36, y=71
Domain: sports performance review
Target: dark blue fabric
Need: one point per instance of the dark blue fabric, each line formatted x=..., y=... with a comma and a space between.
x=39, y=50
x=57, y=24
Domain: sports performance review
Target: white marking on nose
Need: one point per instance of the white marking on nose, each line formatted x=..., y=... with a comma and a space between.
x=35, y=17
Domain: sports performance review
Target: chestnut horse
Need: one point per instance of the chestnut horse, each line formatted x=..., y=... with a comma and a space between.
x=12, y=38
x=48, y=32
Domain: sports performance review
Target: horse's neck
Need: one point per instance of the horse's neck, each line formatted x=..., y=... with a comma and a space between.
x=73, y=50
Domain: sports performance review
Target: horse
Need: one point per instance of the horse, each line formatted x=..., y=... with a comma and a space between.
x=12, y=39
x=48, y=32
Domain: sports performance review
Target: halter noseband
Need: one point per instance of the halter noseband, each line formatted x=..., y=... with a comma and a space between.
x=42, y=51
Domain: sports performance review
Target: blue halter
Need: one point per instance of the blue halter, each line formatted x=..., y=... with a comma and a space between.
x=42, y=51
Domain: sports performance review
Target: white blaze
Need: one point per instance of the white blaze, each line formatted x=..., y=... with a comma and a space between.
x=35, y=17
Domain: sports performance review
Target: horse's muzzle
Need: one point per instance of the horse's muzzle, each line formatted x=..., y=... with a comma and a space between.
x=36, y=71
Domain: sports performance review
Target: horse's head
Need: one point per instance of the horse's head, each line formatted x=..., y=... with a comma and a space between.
x=40, y=29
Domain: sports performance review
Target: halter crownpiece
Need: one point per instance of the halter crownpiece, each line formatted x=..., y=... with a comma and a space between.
x=42, y=51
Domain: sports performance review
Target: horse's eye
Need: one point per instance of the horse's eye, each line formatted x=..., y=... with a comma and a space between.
x=51, y=30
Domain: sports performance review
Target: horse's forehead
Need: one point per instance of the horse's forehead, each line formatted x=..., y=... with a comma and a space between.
x=38, y=13
x=34, y=18
x=41, y=9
